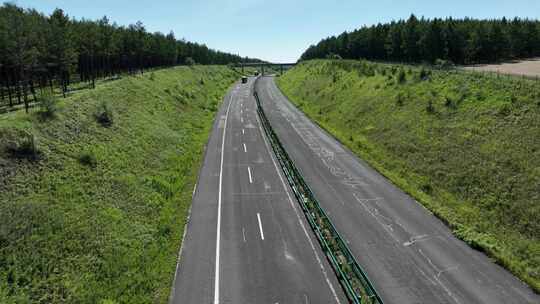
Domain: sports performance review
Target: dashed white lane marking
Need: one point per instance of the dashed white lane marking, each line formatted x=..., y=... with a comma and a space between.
x=243, y=132
x=249, y=173
x=242, y=119
x=244, y=234
x=245, y=148
x=330, y=285
x=218, y=232
x=260, y=226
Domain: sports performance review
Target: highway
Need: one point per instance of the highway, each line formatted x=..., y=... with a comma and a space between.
x=247, y=240
x=409, y=255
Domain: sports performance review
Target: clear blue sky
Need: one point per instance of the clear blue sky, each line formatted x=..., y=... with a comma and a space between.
x=274, y=30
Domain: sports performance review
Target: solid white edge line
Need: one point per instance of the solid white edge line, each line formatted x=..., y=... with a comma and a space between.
x=260, y=226
x=298, y=215
x=173, y=288
x=218, y=233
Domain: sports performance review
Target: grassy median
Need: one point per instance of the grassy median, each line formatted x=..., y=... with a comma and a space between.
x=467, y=146
x=95, y=188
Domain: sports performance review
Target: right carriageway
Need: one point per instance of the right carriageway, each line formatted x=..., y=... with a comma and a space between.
x=409, y=255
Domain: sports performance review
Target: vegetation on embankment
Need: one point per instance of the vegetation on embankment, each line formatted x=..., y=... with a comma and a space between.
x=93, y=211
x=466, y=146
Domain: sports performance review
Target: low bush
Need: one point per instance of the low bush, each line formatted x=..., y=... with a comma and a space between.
x=104, y=114
x=430, y=108
x=88, y=158
x=449, y=103
x=401, y=76
x=424, y=74
x=444, y=64
x=47, y=106
x=399, y=99
x=333, y=56
x=190, y=61
x=19, y=143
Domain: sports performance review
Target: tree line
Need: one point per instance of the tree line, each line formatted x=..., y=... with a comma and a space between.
x=460, y=41
x=37, y=50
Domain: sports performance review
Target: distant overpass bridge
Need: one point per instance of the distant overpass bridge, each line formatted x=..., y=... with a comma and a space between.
x=263, y=65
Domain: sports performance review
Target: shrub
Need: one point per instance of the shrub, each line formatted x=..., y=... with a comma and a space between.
x=463, y=93
x=88, y=159
x=47, y=106
x=430, y=108
x=513, y=98
x=399, y=99
x=369, y=71
x=401, y=77
x=505, y=109
x=424, y=74
x=152, y=76
x=19, y=143
x=426, y=188
x=104, y=114
x=448, y=102
x=190, y=61
x=333, y=56
x=444, y=64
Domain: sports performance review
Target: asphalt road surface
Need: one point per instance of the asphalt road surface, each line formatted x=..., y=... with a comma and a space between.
x=410, y=255
x=247, y=241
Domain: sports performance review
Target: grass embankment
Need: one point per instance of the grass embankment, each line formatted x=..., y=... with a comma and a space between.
x=466, y=146
x=97, y=214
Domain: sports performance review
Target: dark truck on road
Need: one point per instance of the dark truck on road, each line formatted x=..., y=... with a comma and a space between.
x=244, y=79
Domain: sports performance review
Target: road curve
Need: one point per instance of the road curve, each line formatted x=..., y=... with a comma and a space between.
x=247, y=240
x=410, y=255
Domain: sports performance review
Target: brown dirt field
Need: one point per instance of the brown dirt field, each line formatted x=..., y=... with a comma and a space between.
x=529, y=67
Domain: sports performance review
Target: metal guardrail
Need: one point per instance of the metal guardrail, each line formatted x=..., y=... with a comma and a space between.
x=351, y=276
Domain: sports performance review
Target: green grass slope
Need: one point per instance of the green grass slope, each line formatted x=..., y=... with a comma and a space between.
x=466, y=146
x=97, y=214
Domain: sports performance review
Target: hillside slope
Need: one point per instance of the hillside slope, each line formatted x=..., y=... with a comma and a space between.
x=97, y=214
x=466, y=146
